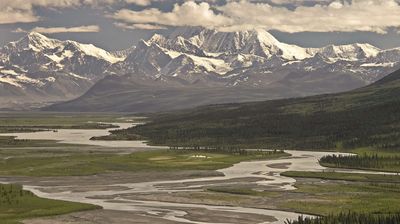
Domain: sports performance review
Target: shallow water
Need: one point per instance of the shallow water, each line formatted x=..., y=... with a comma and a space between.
x=82, y=137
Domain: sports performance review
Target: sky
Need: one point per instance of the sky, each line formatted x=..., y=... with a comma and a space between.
x=119, y=24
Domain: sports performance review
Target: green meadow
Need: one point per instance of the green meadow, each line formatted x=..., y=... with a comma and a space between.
x=17, y=204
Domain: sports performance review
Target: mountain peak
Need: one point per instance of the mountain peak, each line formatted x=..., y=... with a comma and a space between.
x=350, y=51
x=186, y=32
x=34, y=34
x=264, y=36
x=36, y=42
x=156, y=38
x=369, y=49
x=94, y=51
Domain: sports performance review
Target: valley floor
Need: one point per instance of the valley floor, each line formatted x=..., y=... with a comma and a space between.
x=168, y=186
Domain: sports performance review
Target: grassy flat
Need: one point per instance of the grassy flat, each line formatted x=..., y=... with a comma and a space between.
x=11, y=142
x=334, y=198
x=242, y=191
x=344, y=176
x=24, y=122
x=86, y=163
x=17, y=204
x=362, y=193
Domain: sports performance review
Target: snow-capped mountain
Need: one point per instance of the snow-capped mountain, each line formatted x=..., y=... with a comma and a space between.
x=350, y=52
x=238, y=58
x=38, y=69
x=189, y=57
x=37, y=50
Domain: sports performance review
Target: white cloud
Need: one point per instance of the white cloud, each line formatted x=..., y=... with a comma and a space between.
x=77, y=29
x=324, y=16
x=19, y=30
x=23, y=11
x=139, y=2
x=139, y=26
x=359, y=15
x=300, y=2
x=10, y=15
x=336, y=5
x=187, y=14
x=315, y=16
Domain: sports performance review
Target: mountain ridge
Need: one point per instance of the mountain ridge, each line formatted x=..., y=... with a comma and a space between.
x=40, y=70
x=186, y=58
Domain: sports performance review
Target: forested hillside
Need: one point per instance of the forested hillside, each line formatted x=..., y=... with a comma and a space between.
x=368, y=116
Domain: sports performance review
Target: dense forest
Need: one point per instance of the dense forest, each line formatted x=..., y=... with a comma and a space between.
x=368, y=116
x=349, y=218
x=374, y=161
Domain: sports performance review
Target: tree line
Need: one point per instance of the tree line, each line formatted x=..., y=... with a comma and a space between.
x=373, y=161
x=273, y=126
x=234, y=150
x=349, y=218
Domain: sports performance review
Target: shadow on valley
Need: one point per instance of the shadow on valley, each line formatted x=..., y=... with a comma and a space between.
x=368, y=116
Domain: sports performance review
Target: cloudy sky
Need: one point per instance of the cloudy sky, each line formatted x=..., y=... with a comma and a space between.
x=118, y=24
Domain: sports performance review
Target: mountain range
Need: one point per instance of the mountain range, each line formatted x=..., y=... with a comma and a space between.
x=187, y=67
